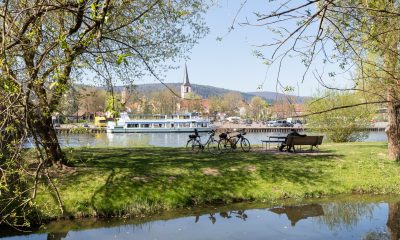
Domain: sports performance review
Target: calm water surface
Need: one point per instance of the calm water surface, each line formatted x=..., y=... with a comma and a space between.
x=163, y=139
x=329, y=220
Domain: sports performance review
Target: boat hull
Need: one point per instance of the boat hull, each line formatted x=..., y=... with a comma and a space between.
x=158, y=130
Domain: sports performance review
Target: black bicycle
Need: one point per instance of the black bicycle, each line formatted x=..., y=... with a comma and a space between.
x=194, y=144
x=227, y=143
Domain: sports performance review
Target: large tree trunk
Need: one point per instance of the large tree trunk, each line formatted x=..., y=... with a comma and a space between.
x=50, y=142
x=390, y=66
x=47, y=136
x=393, y=130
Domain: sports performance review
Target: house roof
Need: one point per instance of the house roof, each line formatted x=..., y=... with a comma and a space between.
x=288, y=107
x=185, y=103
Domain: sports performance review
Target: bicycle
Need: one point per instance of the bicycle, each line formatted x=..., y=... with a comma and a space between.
x=225, y=142
x=194, y=143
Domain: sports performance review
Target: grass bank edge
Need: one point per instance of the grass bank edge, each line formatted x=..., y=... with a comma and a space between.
x=106, y=182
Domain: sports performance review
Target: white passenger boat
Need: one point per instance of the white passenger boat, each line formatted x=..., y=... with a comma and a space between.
x=159, y=123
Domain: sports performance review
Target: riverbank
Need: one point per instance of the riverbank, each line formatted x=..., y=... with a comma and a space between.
x=140, y=181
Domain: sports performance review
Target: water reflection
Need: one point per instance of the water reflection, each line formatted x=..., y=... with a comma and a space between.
x=335, y=220
x=240, y=214
x=57, y=235
x=296, y=213
x=339, y=216
x=393, y=222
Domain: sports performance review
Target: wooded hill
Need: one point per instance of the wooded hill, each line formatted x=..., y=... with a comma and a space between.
x=207, y=91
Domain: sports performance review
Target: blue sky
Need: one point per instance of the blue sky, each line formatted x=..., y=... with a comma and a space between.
x=231, y=64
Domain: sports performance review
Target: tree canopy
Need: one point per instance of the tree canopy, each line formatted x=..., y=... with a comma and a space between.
x=358, y=38
x=46, y=45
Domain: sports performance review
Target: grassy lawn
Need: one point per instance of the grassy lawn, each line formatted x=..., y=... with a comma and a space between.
x=119, y=181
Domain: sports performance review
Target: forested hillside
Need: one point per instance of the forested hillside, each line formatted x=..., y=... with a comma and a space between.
x=208, y=91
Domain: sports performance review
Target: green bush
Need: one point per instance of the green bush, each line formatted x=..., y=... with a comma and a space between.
x=342, y=124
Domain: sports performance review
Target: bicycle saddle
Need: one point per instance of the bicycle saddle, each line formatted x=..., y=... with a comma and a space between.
x=223, y=135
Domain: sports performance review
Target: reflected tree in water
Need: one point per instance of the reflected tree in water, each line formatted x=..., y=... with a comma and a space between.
x=393, y=222
x=393, y=225
x=376, y=235
x=57, y=235
x=339, y=216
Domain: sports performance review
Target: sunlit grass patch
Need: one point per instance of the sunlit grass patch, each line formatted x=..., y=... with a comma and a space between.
x=130, y=181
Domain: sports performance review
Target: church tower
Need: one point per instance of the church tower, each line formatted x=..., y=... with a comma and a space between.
x=186, y=88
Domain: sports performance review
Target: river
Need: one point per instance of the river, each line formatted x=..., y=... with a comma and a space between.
x=162, y=139
x=351, y=217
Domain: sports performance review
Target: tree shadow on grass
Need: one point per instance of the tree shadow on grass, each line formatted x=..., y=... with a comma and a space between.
x=171, y=177
x=105, y=189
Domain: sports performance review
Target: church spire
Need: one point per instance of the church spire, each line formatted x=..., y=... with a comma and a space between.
x=186, y=77
x=185, y=87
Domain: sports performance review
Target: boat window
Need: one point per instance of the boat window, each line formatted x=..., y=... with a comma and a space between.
x=145, y=125
x=132, y=125
x=158, y=125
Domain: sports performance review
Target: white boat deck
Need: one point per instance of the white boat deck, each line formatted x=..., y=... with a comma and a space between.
x=178, y=123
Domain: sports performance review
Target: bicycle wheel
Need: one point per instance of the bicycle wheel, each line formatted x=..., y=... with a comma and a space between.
x=245, y=144
x=224, y=145
x=212, y=147
x=193, y=146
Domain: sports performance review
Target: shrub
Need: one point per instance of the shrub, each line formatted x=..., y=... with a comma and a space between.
x=343, y=124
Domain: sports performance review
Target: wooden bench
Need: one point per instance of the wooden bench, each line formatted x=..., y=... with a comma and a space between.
x=312, y=141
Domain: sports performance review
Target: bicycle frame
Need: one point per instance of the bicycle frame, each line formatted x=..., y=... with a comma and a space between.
x=238, y=136
x=233, y=141
x=210, y=139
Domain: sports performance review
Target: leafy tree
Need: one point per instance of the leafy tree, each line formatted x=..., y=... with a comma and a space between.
x=358, y=36
x=231, y=103
x=344, y=124
x=86, y=98
x=165, y=102
x=90, y=100
x=113, y=105
x=45, y=44
x=258, y=108
x=15, y=200
x=194, y=103
x=215, y=104
x=70, y=102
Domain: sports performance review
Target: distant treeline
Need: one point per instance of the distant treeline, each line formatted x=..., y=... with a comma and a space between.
x=208, y=91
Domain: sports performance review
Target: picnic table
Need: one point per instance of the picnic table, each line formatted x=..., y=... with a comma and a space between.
x=272, y=139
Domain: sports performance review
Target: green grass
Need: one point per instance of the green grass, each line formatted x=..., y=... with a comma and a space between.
x=137, y=181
